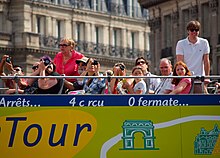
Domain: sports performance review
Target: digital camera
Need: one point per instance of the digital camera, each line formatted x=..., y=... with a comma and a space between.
x=95, y=62
x=46, y=62
x=8, y=60
x=121, y=67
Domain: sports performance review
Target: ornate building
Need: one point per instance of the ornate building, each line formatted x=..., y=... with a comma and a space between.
x=109, y=30
x=168, y=19
x=206, y=141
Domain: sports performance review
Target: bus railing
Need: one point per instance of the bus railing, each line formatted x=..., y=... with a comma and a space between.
x=195, y=79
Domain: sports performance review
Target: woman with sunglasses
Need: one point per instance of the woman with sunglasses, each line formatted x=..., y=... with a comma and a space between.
x=65, y=60
x=92, y=85
x=194, y=51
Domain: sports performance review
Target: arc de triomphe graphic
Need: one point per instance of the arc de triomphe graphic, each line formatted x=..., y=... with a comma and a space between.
x=130, y=127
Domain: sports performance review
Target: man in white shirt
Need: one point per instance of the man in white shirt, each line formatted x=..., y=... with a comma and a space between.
x=194, y=51
x=165, y=86
x=151, y=83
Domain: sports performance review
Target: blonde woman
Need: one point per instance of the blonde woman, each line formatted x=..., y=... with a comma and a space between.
x=65, y=60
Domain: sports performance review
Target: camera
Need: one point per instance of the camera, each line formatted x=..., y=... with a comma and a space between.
x=122, y=67
x=46, y=61
x=8, y=59
x=95, y=62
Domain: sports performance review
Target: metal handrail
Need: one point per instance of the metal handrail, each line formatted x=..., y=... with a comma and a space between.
x=61, y=77
x=108, y=78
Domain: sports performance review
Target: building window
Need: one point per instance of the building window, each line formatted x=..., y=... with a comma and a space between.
x=125, y=6
x=80, y=29
x=185, y=21
x=58, y=29
x=97, y=35
x=90, y=4
x=77, y=31
x=1, y=24
x=114, y=38
x=38, y=27
x=107, y=3
x=131, y=8
x=40, y=24
x=57, y=1
x=132, y=41
x=205, y=20
x=167, y=31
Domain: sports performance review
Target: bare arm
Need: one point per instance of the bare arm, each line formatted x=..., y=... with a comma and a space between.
x=179, y=88
x=179, y=58
x=45, y=83
x=206, y=64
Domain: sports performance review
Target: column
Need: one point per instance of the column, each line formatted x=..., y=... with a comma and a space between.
x=67, y=31
x=54, y=27
x=74, y=30
x=105, y=35
x=110, y=35
x=34, y=23
x=48, y=26
x=88, y=33
x=123, y=38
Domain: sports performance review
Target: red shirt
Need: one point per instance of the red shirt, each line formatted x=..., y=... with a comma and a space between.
x=70, y=68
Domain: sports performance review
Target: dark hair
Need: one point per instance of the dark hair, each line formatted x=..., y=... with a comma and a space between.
x=194, y=24
x=146, y=61
x=14, y=66
x=121, y=66
x=177, y=80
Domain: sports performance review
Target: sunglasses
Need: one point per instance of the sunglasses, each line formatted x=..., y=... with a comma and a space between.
x=17, y=70
x=35, y=67
x=141, y=62
x=63, y=45
x=192, y=30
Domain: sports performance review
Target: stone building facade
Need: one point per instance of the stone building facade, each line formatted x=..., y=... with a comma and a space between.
x=168, y=19
x=108, y=30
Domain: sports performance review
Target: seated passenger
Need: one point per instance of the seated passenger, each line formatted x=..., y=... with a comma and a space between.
x=165, y=86
x=48, y=85
x=151, y=83
x=182, y=85
x=92, y=85
x=32, y=83
x=73, y=86
x=108, y=73
x=13, y=70
x=116, y=84
x=138, y=86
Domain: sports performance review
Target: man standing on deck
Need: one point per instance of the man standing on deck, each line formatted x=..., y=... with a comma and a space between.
x=194, y=51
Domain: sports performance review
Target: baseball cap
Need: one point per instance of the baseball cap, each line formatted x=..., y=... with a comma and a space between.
x=83, y=59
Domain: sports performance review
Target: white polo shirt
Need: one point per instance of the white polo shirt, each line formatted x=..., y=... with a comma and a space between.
x=193, y=54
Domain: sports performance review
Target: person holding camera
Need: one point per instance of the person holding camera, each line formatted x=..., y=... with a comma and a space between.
x=74, y=87
x=65, y=60
x=48, y=85
x=13, y=70
x=92, y=85
x=116, y=84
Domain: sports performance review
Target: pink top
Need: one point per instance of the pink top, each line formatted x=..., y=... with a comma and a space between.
x=188, y=87
x=70, y=68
